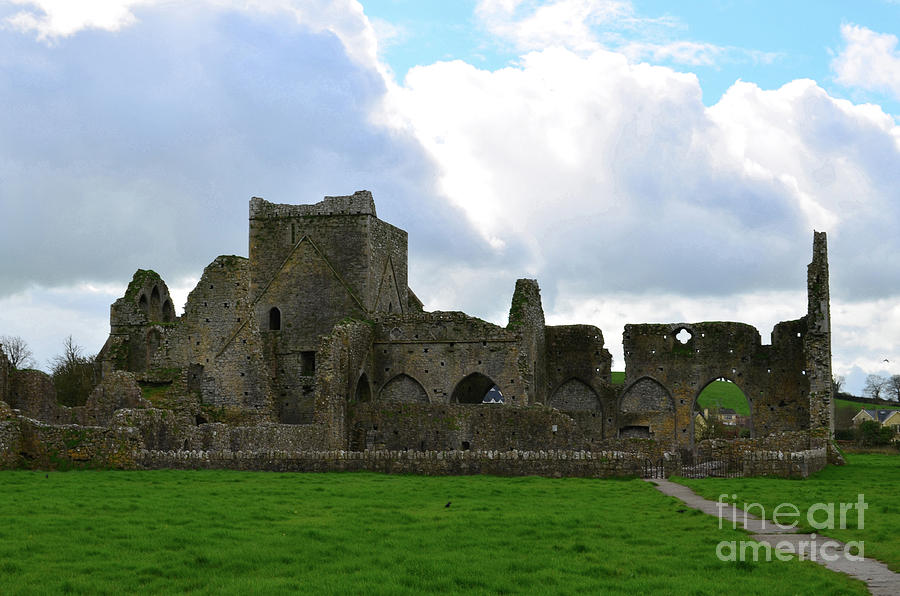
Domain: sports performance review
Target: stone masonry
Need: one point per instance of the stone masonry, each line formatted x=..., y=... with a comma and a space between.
x=316, y=344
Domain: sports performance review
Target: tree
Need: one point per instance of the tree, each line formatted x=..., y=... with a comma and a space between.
x=872, y=434
x=843, y=418
x=838, y=383
x=17, y=351
x=893, y=387
x=73, y=374
x=875, y=386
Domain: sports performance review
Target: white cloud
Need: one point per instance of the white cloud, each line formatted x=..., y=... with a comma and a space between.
x=44, y=317
x=585, y=26
x=55, y=19
x=869, y=61
x=631, y=201
x=693, y=53
x=607, y=180
x=51, y=19
x=565, y=23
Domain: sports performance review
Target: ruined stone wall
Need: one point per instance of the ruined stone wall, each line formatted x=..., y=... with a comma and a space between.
x=817, y=342
x=139, y=322
x=163, y=430
x=526, y=318
x=5, y=368
x=401, y=426
x=217, y=339
x=44, y=446
x=33, y=393
x=578, y=374
x=345, y=368
x=660, y=367
x=440, y=350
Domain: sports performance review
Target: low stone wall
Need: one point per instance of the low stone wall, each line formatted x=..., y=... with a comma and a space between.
x=479, y=427
x=35, y=445
x=796, y=464
x=584, y=464
x=10, y=437
x=152, y=439
x=165, y=430
x=787, y=442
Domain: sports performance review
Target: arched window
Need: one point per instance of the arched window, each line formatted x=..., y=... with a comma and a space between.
x=363, y=392
x=274, y=319
x=476, y=389
x=154, y=304
x=144, y=305
x=168, y=311
x=722, y=410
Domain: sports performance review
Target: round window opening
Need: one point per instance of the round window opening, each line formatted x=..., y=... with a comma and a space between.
x=683, y=336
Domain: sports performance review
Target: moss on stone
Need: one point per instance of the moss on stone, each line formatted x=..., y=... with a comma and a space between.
x=139, y=280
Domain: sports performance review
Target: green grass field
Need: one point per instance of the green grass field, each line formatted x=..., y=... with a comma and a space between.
x=875, y=476
x=94, y=532
x=721, y=394
x=857, y=406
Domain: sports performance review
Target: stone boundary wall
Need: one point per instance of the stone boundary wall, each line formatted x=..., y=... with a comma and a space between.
x=27, y=443
x=554, y=463
x=786, y=442
x=797, y=464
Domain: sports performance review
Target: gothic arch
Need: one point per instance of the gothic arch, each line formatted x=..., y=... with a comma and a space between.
x=168, y=311
x=646, y=395
x=403, y=388
x=696, y=408
x=646, y=409
x=472, y=389
x=363, y=390
x=575, y=395
x=155, y=304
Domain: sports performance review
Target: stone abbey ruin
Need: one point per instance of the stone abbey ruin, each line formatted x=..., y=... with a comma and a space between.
x=314, y=354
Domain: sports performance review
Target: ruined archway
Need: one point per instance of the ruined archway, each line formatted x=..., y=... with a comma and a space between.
x=476, y=388
x=647, y=409
x=403, y=388
x=144, y=305
x=168, y=311
x=721, y=410
x=155, y=304
x=363, y=391
x=575, y=396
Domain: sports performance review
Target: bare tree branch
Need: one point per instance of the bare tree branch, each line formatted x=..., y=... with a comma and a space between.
x=17, y=351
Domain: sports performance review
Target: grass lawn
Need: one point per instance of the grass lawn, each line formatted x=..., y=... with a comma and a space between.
x=723, y=394
x=857, y=406
x=256, y=532
x=875, y=476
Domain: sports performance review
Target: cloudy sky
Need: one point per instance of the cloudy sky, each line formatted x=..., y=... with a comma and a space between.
x=645, y=161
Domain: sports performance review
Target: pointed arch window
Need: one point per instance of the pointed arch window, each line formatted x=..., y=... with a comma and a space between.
x=274, y=319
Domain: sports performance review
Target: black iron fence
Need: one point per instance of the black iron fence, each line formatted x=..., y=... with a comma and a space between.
x=737, y=465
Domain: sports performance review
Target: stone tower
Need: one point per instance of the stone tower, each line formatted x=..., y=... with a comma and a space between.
x=312, y=266
x=817, y=342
